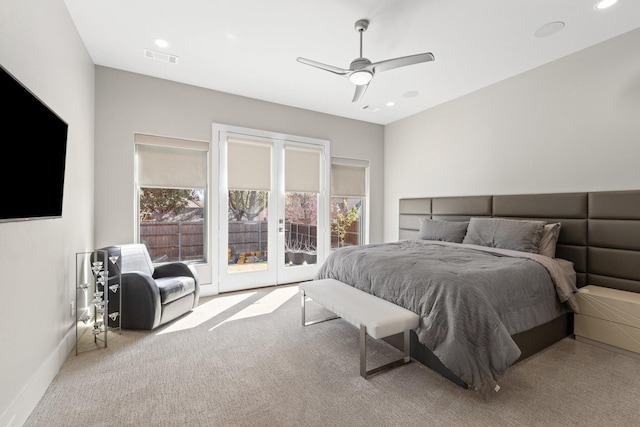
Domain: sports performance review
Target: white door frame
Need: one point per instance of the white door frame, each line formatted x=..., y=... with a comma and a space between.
x=219, y=209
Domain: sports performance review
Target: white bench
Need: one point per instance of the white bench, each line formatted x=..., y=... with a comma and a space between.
x=374, y=316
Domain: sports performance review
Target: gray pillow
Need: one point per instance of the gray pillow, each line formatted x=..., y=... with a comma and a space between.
x=445, y=231
x=514, y=234
x=549, y=239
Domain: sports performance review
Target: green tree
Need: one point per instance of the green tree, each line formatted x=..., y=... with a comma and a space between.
x=341, y=219
x=157, y=202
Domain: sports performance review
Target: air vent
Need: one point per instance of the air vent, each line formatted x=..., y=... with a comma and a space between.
x=371, y=108
x=164, y=57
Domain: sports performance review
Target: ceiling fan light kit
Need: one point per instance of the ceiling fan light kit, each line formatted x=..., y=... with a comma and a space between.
x=361, y=77
x=362, y=70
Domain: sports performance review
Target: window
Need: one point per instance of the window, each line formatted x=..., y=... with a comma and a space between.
x=171, y=186
x=348, y=201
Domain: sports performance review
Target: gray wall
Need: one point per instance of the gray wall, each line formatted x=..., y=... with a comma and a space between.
x=41, y=47
x=570, y=125
x=127, y=103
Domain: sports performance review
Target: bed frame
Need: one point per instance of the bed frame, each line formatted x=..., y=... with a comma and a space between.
x=600, y=234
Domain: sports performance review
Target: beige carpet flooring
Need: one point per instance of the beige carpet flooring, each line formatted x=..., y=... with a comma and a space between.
x=244, y=359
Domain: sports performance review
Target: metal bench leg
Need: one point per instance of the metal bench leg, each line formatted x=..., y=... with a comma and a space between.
x=407, y=346
x=363, y=355
x=313, y=322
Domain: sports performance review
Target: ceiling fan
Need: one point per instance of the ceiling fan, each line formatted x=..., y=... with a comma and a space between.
x=362, y=70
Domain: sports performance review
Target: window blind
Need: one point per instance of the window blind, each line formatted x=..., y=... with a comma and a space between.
x=302, y=169
x=248, y=164
x=348, y=180
x=165, y=162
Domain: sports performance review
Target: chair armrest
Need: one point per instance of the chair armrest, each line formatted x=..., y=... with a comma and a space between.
x=140, y=301
x=175, y=269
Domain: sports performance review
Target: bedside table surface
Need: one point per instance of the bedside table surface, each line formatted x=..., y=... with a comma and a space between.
x=615, y=294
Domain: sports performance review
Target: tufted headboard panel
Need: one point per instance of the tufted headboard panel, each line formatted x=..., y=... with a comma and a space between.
x=570, y=209
x=614, y=240
x=600, y=231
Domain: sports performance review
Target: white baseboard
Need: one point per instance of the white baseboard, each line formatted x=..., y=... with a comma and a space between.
x=608, y=347
x=208, y=290
x=24, y=403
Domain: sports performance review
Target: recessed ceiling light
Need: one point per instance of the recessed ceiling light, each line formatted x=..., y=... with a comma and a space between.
x=161, y=43
x=411, y=94
x=390, y=104
x=603, y=4
x=549, y=29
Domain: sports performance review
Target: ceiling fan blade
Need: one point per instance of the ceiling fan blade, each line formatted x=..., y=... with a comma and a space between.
x=360, y=90
x=331, y=68
x=390, y=64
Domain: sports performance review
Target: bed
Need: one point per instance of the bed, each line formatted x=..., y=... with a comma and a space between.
x=484, y=308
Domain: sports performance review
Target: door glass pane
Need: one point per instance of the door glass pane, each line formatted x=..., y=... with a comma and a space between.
x=346, y=223
x=172, y=223
x=301, y=228
x=247, y=230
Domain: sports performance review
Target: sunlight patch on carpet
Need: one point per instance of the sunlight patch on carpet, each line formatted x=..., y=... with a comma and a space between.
x=206, y=311
x=265, y=305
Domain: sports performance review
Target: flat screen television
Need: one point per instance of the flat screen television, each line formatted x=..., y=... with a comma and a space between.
x=34, y=151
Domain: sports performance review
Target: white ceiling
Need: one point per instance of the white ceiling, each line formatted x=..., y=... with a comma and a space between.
x=249, y=47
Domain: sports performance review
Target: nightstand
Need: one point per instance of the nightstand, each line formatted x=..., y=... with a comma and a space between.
x=609, y=318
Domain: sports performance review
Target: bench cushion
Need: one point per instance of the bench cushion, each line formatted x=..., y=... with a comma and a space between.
x=381, y=318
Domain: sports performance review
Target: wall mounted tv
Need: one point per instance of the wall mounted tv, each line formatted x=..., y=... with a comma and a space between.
x=34, y=155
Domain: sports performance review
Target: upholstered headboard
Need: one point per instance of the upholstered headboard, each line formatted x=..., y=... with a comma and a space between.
x=600, y=231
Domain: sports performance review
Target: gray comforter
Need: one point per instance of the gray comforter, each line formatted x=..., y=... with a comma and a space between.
x=470, y=299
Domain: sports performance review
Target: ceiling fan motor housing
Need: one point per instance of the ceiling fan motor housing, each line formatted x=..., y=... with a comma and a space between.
x=359, y=63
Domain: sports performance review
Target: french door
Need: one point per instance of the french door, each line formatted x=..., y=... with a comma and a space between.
x=273, y=208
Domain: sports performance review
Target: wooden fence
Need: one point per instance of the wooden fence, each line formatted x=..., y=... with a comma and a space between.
x=184, y=241
x=173, y=241
x=252, y=236
x=248, y=236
